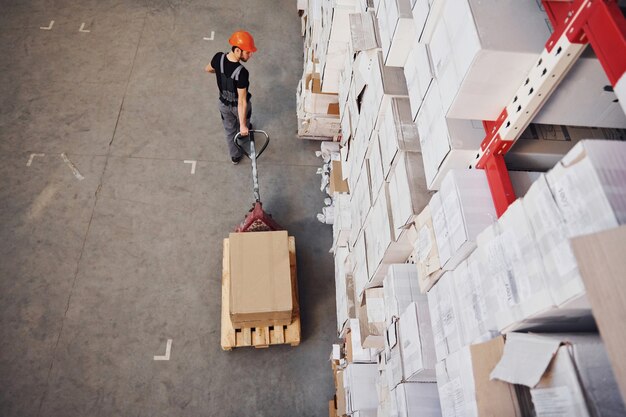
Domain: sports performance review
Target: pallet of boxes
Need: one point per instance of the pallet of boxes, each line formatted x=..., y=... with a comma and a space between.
x=259, y=290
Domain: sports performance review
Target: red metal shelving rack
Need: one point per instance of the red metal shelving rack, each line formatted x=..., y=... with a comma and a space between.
x=576, y=23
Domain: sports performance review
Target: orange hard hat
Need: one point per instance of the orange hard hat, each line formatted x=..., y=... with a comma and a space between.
x=242, y=40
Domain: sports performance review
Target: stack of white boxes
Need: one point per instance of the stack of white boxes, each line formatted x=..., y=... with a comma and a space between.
x=416, y=79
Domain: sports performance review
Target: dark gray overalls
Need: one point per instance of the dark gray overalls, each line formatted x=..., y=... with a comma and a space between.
x=230, y=116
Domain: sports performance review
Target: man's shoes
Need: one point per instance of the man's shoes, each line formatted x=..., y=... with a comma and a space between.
x=236, y=160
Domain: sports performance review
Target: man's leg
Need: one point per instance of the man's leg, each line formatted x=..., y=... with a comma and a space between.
x=231, y=127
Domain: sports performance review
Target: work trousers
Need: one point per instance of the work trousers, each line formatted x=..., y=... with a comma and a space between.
x=230, y=119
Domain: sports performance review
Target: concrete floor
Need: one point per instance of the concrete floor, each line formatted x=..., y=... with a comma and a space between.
x=96, y=274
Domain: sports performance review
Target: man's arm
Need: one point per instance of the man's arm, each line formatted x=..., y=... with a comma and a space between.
x=242, y=109
x=209, y=68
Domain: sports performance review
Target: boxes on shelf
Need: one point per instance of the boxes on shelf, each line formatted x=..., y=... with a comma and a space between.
x=407, y=192
x=417, y=346
x=417, y=400
x=375, y=166
x=465, y=388
x=397, y=30
x=364, y=32
x=540, y=147
x=337, y=183
x=444, y=316
x=343, y=220
x=477, y=299
x=260, y=279
x=344, y=291
x=418, y=75
x=589, y=186
x=401, y=288
x=425, y=252
x=568, y=371
x=382, y=250
x=360, y=387
x=446, y=143
x=355, y=353
x=397, y=132
x=371, y=315
x=467, y=207
x=482, y=53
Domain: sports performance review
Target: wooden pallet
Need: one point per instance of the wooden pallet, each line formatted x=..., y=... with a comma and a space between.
x=259, y=337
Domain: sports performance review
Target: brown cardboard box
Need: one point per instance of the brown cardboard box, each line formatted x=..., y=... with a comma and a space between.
x=332, y=408
x=337, y=183
x=568, y=373
x=260, y=283
x=341, y=394
x=602, y=261
x=464, y=384
x=371, y=315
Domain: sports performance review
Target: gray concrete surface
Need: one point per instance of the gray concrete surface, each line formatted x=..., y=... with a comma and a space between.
x=96, y=274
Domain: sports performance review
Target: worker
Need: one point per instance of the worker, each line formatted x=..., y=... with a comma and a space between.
x=233, y=81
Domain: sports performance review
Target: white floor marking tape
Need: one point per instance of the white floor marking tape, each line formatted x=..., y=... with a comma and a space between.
x=82, y=28
x=33, y=155
x=165, y=357
x=49, y=27
x=193, y=165
x=75, y=170
x=212, y=36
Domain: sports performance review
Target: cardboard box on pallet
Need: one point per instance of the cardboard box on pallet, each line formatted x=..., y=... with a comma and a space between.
x=425, y=252
x=417, y=400
x=465, y=388
x=569, y=374
x=602, y=263
x=472, y=38
x=260, y=279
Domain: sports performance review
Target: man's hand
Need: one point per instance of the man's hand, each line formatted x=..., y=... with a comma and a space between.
x=243, y=130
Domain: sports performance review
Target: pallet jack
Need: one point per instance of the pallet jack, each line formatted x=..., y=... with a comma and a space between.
x=257, y=220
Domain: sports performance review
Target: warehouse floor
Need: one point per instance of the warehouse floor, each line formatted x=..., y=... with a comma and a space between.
x=110, y=244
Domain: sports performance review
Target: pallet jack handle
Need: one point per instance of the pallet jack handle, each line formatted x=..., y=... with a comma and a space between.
x=247, y=145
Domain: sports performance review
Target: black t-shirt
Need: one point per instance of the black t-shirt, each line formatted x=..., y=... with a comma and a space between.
x=229, y=67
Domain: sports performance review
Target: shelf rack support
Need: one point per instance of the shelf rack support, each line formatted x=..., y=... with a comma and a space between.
x=577, y=23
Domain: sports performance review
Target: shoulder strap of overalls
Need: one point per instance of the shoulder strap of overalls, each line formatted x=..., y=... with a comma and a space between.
x=235, y=74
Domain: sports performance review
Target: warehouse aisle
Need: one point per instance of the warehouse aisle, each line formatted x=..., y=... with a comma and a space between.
x=111, y=236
